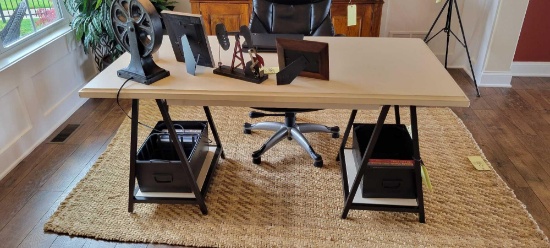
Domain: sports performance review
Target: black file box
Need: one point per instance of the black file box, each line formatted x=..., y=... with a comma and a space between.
x=158, y=167
x=390, y=172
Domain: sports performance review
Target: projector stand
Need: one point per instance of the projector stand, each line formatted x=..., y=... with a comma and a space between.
x=141, y=69
x=447, y=29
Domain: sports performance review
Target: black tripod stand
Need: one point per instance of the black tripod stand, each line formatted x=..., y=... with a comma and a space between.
x=450, y=4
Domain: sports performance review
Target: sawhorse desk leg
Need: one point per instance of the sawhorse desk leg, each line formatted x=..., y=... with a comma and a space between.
x=163, y=107
x=366, y=157
x=346, y=133
x=133, y=153
x=417, y=165
x=132, y=189
x=213, y=128
x=349, y=196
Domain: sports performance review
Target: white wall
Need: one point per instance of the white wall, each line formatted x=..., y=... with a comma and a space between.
x=503, y=43
x=183, y=6
x=416, y=17
x=37, y=94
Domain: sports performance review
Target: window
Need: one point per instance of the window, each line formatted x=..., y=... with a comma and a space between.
x=22, y=20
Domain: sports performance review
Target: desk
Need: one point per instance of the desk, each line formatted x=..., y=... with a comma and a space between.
x=364, y=72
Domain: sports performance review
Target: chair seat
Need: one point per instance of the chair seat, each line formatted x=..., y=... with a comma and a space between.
x=294, y=110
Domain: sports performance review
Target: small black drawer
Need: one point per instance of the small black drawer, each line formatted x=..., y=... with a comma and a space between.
x=158, y=167
x=390, y=171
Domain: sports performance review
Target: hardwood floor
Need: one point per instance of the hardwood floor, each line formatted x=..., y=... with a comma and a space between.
x=511, y=125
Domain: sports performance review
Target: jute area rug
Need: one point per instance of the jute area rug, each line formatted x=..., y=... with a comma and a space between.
x=286, y=202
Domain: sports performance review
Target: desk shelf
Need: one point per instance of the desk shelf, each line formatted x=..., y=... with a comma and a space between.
x=203, y=181
x=349, y=171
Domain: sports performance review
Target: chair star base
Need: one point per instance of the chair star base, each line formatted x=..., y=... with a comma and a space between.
x=291, y=132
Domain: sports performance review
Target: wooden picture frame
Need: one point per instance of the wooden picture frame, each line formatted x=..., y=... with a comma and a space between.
x=315, y=52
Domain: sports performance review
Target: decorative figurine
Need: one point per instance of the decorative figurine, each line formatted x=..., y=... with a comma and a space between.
x=140, y=36
x=252, y=70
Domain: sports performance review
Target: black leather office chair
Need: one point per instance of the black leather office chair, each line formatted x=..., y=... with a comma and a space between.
x=307, y=17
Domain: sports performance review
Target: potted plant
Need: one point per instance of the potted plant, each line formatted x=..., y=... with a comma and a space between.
x=92, y=26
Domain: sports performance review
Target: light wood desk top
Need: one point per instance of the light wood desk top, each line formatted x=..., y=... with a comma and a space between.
x=363, y=72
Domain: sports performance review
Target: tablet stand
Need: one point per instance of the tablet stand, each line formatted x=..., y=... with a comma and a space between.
x=289, y=73
x=190, y=61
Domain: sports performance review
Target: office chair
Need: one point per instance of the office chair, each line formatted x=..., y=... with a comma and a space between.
x=307, y=17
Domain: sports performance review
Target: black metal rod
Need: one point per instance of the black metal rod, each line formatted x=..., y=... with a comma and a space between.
x=467, y=50
x=427, y=41
x=181, y=154
x=417, y=169
x=365, y=160
x=447, y=30
x=213, y=128
x=133, y=154
x=397, y=116
x=344, y=172
x=433, y=25
x=346, y=133
x=457, y=39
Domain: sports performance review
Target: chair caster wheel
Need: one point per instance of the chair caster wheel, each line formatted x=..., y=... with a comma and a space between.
x=246, y=128
x=318, y=163
x=257, y=160
x=335, y=132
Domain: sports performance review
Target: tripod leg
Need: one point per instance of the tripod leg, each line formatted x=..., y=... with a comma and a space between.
x=436, y=19
x=467, y=50
x=448, y=30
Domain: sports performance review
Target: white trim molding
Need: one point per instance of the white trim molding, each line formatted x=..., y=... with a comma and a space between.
x=531, y=69
x=496, y=79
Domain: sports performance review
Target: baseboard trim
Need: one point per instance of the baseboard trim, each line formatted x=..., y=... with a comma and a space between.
x=496, y=79
x=530, y=69
x=76, y=105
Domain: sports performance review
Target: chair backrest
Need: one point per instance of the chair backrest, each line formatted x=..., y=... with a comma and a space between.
x=307, y=17
x=12, y=30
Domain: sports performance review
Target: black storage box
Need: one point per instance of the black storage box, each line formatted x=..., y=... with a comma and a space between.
x=158, y=167
x=390, y=171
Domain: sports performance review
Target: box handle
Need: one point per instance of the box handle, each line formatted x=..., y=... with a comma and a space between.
x=391, y=184
x=163, y=178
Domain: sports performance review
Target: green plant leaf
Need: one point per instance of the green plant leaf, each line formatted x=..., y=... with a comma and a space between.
x=98, y=4
x=97, y=25
x=86, y=42
x=79, y=32
x=85, y=6
x=91, y=21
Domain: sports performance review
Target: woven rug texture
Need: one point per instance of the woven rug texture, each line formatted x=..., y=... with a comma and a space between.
x=287, y=202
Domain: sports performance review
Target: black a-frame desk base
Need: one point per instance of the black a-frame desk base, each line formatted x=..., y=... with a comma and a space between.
x=380, y=204
x=198, y=193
